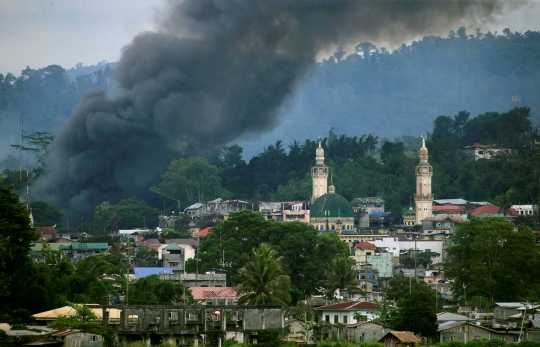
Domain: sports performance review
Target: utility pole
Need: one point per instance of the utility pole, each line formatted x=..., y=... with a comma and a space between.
x=127, y=275
x=415, y=238
x=365, y=278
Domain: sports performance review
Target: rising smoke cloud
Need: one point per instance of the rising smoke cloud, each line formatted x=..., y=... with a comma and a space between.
x=211, y=72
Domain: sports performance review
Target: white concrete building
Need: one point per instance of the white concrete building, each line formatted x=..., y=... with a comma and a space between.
x=397, y=247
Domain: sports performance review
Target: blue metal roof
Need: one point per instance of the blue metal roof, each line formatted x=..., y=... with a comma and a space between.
x=142, y=272
x=380, y=214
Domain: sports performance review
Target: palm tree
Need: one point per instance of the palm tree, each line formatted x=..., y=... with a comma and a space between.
x=264, y=282
x=505, y=202
x=340, y=274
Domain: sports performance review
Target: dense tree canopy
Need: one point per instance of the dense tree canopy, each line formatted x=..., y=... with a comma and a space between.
x=304, y=252
x=16, y=236
x=492, y=259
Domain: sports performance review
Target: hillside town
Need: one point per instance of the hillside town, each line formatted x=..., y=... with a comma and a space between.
x=381, y=255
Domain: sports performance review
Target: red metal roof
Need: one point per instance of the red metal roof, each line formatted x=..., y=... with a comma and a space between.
x=365, y=245
x=351, y=306
x=491, y=209
x=201, y=293
x=203, y=232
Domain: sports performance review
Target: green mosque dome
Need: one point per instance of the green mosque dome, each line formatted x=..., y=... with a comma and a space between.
x=335, y=204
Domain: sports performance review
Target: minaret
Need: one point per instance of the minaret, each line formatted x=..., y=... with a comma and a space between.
x=319, y=174
x=423, y=197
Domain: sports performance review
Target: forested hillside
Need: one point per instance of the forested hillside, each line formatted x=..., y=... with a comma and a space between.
x=46, y=97
x=372, y=90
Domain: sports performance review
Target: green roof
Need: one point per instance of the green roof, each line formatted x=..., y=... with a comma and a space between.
x=335, y=204
x=86, y=245
x=53, y=246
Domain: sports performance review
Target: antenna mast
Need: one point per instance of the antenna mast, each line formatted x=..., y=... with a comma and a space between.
x=20, y=147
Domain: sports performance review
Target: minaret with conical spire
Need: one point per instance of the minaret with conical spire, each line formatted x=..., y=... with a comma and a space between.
x=319, y=174
x=423, y=198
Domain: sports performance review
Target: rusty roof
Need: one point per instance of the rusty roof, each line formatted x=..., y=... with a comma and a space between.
x=201, y=293
x=402, y=336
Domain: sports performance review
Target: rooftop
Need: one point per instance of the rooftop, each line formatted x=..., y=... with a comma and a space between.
x=350, y=306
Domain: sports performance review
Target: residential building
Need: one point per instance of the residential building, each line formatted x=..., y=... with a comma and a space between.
x=365, y=332
x=398, y=245
x=345, y=312
x=219, y=296
x=43, y=318
x=368, y=204
x=400, y=339
x=208, y=279
x=524, y=210
x=478, y=151
x=490, y=211
x=441, y=225
x=77, y=251
x=464, y=331
x=507, y=314
x=173, y=256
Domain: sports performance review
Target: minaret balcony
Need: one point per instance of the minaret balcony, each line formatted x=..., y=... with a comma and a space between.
x=423, y=197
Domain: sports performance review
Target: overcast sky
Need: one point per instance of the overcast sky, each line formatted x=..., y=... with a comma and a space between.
x=38, y=33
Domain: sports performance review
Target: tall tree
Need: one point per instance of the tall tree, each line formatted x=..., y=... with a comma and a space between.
x=416, y=313
x=190, y=180
x=341, y=274
x=493, y=259
x=16, y=236
x=263, y=281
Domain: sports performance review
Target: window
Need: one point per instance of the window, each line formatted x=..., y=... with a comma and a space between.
x=327, y=318
x=173, y=315
x=92, y=338
x=368, y=253
x=344, y=319
x=336, y=319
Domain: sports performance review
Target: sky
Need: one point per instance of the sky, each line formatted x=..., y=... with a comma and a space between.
x=38, y=33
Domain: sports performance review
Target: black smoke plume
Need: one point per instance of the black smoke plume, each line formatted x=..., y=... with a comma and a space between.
x=211, y=72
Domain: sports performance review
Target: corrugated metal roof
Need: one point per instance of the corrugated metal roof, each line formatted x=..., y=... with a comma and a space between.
x=365, y=245
x=70, y=311
x=448, y=316
x=203, y=232
x=402, y=336
x=201, y=293
x=142, y=272
x=85, y=245
x=350, y=306
x=173, y=247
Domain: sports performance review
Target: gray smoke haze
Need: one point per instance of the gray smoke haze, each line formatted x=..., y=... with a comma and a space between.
x=211, y=72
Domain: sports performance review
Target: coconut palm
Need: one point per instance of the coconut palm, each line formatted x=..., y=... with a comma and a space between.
x=264, y=282
x=340, y=274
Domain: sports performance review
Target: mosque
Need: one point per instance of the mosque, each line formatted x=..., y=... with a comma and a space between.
x=332, y=212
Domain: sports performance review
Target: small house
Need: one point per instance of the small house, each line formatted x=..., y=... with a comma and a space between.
x=400, y=339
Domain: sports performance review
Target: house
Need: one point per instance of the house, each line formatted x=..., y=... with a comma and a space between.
x=478, y=151
x=208, y=279
x=36, y=248
x=42, y=318
x=214, y=295
x=490, y=210
x=69, y=338
x=399, y=339
x=81, y=250
x=442, y=224
x=368, y=204
x=365, y=332
x=348, y=312
x=47, y=233
x=524, y=210
x=173, y=256
x=464, y=331
x=443, y=317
